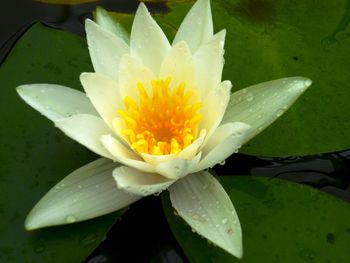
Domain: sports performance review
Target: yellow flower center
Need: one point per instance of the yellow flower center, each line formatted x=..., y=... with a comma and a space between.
x=165, y=122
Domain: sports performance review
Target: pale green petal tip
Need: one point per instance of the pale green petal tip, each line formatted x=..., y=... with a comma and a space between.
x=203, y=203
x=106, y=21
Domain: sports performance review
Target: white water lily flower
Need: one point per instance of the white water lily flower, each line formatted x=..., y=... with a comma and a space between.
x=155, y=112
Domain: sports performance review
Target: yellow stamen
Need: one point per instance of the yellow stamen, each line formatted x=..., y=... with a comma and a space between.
x=164, y=122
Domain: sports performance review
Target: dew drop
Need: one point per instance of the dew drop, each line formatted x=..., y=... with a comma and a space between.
x=195, y=216
x=222, y=162
x=230, y=231
x=79, y=186
x=279, y=112
x=250, y=97
x=224, y=221
x=71, y=219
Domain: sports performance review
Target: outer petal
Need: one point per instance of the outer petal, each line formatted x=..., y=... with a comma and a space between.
x=178, y=65
x=226, y=140
x=202, y=202
x=209, y=62
x=197, y=27
x=88, y=192
x=261, y=104
x=104, y=95
x=105, y=49
x=148, y=41
x=124, y=155
x=214, y=106
x=87, y=130
x=107, y=22
x=54, y=101
x=136, y=182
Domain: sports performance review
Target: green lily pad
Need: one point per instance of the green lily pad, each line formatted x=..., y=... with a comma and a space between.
x=281, y=222
x=35, y=156
x=274, y=39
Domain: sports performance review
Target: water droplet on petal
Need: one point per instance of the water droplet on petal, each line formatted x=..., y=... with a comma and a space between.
x=195, y=216
x=222, y=162
x=279, y=112
x=224, y=221
x=250, y=97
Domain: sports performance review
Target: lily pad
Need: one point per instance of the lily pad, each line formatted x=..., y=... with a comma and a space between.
x=35, y=156
x=274, y=39
x=281, y=222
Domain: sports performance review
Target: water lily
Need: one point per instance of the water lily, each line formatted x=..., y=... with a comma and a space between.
x=159, y=115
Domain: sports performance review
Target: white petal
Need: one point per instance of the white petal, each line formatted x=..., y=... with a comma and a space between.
x=190, y=151
x=124, y=155
x=54, y=101
x=147, y=40
x=209, y=62
x=197, y=27
x=177, y=168
x=131, y=73
x=178, y=64
x=88, y=192
x=261, y=104
x=86, y=130
x=203, y=203
x=107, y=22
x=105, y=49
x=104, y=95
x=136, y=182
x=157, y=159
x=226, y=140
x=214, y=106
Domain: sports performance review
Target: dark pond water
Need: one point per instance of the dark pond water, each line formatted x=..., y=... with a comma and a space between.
x=139, y=237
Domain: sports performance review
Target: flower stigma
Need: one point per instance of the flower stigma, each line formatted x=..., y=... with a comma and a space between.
x=163, y=123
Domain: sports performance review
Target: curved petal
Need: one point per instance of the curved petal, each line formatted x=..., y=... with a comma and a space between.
x=86, y=130
x=177, y=168
x=54, y=101
x=124, y=155
x=178, y=64
x=214, y=106
x=104, y=95
x=203, y=203
x=226, y=140
x=131, y=73
x=190, y=151
x=209, y=62
x=105, y=49
x=147, y=41
x=197, y=26
x=139, y=183
x=88, y=192
x=261, y=104
x=107, y=22
x=156, y=159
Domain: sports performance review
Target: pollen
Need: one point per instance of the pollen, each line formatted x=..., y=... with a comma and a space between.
x=164, y=122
